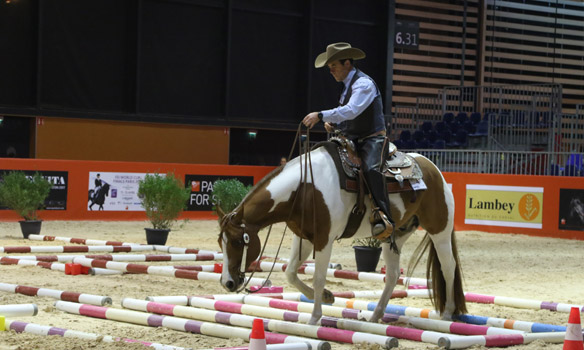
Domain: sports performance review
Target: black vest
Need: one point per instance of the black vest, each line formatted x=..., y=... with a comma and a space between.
x=370, y=121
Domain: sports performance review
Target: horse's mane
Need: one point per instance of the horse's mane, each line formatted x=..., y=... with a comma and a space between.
x=260, y=184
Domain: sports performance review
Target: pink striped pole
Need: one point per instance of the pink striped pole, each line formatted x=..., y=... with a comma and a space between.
x=501, y=340
x=157, y=270
x=289, y=346
x=520, y=303
x=331, y=311
x=56, y=294
x=85, y=241
x=180, y=324
x=232, y=315
x=24, y=327
x=15, y=310
x=75, y=249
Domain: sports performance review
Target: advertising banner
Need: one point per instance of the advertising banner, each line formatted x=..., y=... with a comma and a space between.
x=114, y=191
x=202, y=189
x=510, y=206
x=57, y=199
x=571, y=209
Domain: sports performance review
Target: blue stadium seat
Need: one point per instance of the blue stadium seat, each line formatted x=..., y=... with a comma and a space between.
x=426, y=127
x=475, y=118
x=448, y=117
x=482, y=129
x=461, y=118
x=432, y=136
x=418, y=135
x=405, y=135
x=439, y=144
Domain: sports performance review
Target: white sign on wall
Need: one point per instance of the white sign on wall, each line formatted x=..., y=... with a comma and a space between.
x=114, y=191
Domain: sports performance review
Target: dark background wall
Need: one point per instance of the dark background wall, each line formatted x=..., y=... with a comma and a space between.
x=248, y=64
x=215, y=62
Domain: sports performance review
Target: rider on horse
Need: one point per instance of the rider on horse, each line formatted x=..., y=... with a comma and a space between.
x=360, y=118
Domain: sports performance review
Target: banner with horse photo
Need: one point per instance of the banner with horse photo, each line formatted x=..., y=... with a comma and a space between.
x=571, y=209
x=114, y=191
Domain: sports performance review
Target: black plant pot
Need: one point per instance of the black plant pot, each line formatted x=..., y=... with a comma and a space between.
x=156, y=236
x=367, y=258
x=30, y=227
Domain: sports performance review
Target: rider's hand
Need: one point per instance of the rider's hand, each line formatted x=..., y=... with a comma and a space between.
x=329, y=127
x=311, y=119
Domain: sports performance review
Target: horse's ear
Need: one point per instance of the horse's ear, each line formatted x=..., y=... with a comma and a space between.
x=220, y=212
x=239, y=215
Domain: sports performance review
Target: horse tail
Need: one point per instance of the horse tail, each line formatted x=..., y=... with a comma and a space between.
x=436, y=280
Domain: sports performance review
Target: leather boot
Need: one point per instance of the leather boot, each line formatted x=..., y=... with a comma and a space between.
x=380, y=219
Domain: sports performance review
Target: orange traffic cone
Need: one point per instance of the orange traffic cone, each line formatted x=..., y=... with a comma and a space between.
x=573, y=339
x=257, y=339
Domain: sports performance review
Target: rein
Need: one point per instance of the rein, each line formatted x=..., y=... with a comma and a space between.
x=304, y=181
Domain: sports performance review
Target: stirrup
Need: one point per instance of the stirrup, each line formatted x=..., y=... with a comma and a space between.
x=378, y=217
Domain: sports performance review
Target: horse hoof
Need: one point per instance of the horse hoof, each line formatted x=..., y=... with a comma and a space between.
x=328, y=297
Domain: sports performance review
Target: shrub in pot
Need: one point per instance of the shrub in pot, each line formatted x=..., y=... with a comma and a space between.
x=25, y=195
x=163, y=198
x=367, y=253
x=227, y=194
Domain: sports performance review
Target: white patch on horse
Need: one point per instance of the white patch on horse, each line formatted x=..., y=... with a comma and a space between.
x=327, y=181
x=225, y=272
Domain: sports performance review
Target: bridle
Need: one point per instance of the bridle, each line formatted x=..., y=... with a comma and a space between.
x=245, y=236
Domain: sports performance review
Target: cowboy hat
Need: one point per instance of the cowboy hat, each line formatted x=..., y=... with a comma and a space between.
x=338, y=51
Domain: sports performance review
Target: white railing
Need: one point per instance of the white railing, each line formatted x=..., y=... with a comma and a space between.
x=505, y=162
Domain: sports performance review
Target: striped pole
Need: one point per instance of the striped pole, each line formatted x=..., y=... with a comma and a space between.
x=24, y=327
x=14, y=310
x=289, y=346
x=75, y=249
x=51, y=266
x=235, y=318
x=306, y=308
x=56, y=294
x=76, y=240
x=179, y=324
x=179, y=250
x=520, y=303
x=124, y=257
x=184, y=299
x=345, y=274
x=501, y=340
x=157, y=270
x=530, y=327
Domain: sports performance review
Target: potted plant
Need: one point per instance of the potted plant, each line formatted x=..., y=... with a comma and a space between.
x=25, y=195
x=367, y=252
x=163, y=198
x=227, y=194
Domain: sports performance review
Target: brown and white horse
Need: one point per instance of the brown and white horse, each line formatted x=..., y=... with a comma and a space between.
x=316, y=210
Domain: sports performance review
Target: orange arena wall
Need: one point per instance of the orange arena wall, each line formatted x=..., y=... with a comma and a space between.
x=520, y=204
x=62, y=138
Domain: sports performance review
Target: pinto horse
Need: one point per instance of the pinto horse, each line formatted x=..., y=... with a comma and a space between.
x=315, y=208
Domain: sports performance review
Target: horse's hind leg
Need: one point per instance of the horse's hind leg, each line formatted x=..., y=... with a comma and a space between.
x=297, y=257
x=443, y=246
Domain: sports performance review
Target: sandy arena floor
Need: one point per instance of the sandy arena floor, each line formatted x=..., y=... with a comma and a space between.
x=519, y=266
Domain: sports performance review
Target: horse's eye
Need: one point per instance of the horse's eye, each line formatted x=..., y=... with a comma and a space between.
x=237, y=243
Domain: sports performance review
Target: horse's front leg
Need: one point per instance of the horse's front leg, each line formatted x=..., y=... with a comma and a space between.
x=319, y=280
x=391, y=259
x=297, y=257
